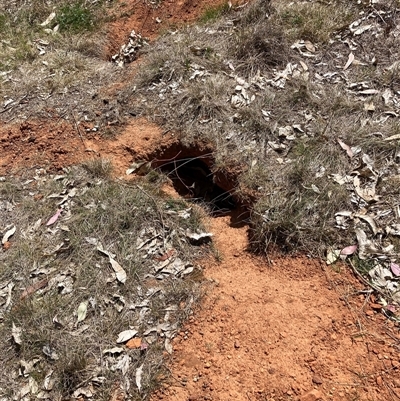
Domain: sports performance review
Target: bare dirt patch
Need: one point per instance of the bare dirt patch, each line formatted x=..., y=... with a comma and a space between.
x=54, y=144
x=152, y=19
x=290, y=330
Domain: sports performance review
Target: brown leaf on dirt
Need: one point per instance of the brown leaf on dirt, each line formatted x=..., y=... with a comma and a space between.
x=33, y=288
x=166, y=255
x=134, y=343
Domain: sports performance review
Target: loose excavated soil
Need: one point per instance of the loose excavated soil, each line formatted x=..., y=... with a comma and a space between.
x=53, y=144
x=152, y=19
x=291, y=330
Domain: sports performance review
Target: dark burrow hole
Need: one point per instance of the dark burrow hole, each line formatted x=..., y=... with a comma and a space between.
x=194, y=181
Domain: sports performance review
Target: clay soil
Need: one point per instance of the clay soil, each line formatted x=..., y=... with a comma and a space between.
x=281, y=329
x=286, y=329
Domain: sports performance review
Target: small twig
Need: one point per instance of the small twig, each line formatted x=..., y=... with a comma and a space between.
x=391, y=392
x=366, y=282
x=13, y=104
x=78, y=130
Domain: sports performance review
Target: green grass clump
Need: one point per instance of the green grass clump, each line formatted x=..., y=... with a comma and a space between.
x=314, y=21
x=76, y=18
x=213, y=13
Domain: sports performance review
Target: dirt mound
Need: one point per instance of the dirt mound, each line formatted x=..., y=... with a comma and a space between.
x=152, y=18
x=287, y=331
x=54, y=144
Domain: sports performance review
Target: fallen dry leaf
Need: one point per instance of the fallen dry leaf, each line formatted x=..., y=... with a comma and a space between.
x=349, y=250
x=134, y=343
x=345, y=147
x=54, y=218
x=34, y=287
x=138, y=375
x=126, y=335
x=8, y=234
x=349, y=61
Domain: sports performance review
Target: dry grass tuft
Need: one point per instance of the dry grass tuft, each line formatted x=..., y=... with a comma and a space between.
x=53, y=270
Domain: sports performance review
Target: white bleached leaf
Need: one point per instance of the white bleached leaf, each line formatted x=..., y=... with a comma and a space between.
x=102, y=250
x=48, y=19
x=315, y=189
x=387, y=96
x=349, y=61
x=140, y=168
x=365, y=246
x=332, y=256
x=82, y=311
x=16, y=334
x=367, y=193
x=92, y=241
x=370, y=221
x=33, y=386
x=369, y=92
x=346, y=147
x=342, y=179
x=123, y=364
x=393, y=138
x=48, y=382
x=26, y=368
x=138, y=376
x=8, y=234
x=309, y=46
x=380, y=275
x=362, y=29
x=113, y=351
x=197, y=237
x=369, y=106
x=168, y=346
x=83, y=391
x=120, y=273
x=126, y=335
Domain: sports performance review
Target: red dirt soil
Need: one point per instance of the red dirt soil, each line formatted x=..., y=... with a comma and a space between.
x=293, y=330
x=56, y=144
x=143, y=17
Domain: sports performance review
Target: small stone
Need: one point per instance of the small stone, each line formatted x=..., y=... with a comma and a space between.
x=379, y=381
x=317, y=379
x=237, y=344
x=313, y=395
x=207, y=365
x=369, y=313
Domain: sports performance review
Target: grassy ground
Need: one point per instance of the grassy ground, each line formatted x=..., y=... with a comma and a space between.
x=222, y=83
x=62, y=306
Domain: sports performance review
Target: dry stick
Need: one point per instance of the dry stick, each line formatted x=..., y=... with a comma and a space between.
x=78, y=130
x=366, y=282
x=391, y=392
x=80, y=135
x=13, y=104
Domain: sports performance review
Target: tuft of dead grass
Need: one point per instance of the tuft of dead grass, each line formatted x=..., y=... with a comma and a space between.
x=54, y=270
